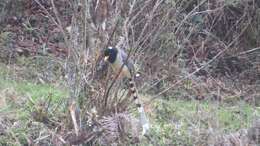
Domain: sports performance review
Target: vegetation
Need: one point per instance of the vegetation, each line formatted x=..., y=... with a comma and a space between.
x=174, y=121
x=198, y=61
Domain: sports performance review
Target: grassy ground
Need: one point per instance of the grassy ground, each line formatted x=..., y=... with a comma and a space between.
x=19, y=99
x=174, y=122
x=181, y=122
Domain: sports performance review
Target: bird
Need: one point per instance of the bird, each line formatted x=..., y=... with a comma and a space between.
x=120, y=62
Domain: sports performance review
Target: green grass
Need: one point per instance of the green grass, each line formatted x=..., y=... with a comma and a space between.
x=24, y=93
x=33, y=90
x=183, y=122
x=177, y=122
x=22, y=98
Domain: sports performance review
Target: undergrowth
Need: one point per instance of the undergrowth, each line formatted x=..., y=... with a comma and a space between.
x=174, y=122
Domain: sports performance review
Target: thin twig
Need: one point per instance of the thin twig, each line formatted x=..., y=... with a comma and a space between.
x=202, y=67
x=59, y=23
x=116, y=77
x=249, y=51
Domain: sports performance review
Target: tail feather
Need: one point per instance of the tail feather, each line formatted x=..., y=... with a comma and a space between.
x=143, y=119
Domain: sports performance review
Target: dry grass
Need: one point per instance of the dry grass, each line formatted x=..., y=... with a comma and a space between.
x=203, y=53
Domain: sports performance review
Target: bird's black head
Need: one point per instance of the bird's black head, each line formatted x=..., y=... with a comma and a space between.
x=110, y=54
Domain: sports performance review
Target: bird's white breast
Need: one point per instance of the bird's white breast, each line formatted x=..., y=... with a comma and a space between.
x=117, y=66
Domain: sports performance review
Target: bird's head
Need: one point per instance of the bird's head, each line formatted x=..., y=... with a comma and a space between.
x=110, y=54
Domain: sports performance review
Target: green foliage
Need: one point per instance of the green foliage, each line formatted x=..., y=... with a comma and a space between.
x=177, y=122
x=33, y=90
x=182, y=122
x=23, y=99
x=196, y=32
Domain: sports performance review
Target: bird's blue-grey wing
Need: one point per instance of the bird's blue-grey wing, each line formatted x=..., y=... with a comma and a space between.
x=128, y=62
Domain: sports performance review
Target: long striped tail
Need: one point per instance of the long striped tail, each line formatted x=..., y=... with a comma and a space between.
x=143, y=118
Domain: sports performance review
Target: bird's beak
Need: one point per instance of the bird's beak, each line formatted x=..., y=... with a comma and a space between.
x=106, y=58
